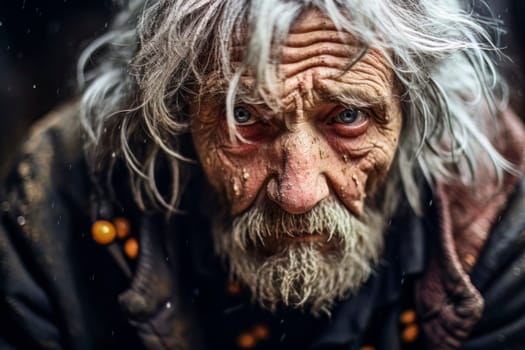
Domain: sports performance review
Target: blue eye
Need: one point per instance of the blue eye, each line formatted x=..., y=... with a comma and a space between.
x=242, y=116
x=348, y=116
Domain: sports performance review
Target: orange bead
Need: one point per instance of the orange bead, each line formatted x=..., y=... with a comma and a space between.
x=246, y=341
x=131, y=248
x=103, y=232
x=410, y=333
x=261, y=331
x=233, y=288
x=122, y=226
x=407, y=317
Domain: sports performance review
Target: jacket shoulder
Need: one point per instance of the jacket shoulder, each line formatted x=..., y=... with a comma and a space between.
x=500, y=276
x=42, y=214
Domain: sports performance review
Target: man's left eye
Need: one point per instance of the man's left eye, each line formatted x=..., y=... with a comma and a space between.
x=349, y=116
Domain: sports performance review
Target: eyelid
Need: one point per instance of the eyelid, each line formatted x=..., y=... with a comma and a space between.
x=334, y=113
x=361, y=114
x=258, y=115
x=352, y=130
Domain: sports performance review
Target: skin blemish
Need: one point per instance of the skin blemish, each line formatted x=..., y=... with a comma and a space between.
x=245, y=174
x=355, y=180
x=348, y=160
x=235, y=187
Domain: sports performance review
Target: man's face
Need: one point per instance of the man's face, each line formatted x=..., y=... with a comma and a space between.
x=333, y=143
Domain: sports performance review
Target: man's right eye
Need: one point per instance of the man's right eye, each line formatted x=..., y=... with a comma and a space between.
x=243, y=116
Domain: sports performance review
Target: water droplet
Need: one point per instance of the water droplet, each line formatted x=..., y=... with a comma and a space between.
x=21, y=220
x=113, y=154
x=34, y=86
x=168, y=305
x=245, y=174
x=1, y=23
x=430, y=203
x=52, y=204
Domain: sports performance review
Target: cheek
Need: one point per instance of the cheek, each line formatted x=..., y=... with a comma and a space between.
x=362, y=165
x=237, y=176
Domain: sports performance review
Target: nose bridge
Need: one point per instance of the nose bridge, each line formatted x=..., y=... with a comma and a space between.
x=300, y=183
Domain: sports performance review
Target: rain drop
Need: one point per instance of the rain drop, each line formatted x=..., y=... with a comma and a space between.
x=21, y=220
x=168, y=305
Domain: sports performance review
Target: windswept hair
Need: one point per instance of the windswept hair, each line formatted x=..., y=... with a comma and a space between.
x=159, y=53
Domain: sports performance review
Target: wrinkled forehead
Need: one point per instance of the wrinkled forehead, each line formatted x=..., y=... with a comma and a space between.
x=312, y=36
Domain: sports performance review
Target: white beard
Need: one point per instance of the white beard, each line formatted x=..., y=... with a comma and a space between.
x=304, y=274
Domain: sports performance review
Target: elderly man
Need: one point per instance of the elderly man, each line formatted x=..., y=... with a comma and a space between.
x=306, y=174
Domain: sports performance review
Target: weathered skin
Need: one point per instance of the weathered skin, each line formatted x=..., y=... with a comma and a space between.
x=309, y=155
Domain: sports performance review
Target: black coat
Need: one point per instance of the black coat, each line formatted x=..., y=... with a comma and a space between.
x=60, y=289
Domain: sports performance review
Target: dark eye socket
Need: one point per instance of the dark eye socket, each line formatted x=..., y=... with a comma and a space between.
x=348, y=116
x=242, y=115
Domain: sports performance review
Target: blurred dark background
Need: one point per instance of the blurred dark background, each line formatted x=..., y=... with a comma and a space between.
x=40, y=42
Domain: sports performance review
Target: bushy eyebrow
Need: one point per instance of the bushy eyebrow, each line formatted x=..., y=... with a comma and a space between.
x=331, y=91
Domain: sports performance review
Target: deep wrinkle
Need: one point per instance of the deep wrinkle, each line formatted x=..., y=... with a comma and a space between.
x=299, y=155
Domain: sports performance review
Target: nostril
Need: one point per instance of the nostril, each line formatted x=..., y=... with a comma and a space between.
x=297, y=195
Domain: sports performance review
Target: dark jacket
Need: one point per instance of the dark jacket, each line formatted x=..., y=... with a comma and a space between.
x=461, y=267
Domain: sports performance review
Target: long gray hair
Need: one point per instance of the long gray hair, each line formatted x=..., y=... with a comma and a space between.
x=159, y=53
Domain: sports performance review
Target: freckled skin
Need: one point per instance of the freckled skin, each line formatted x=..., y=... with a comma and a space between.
x=306, y=157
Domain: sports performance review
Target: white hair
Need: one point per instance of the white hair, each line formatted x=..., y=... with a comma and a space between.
x=308, y=276
x=159, y=54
